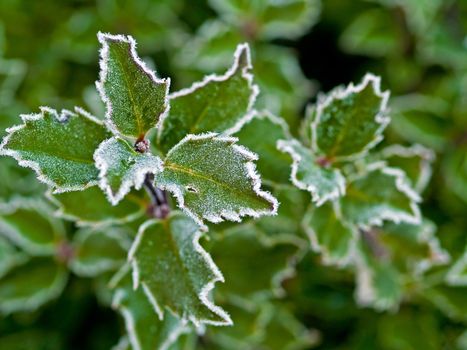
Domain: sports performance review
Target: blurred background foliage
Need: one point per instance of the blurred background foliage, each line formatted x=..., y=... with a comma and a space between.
x=49, y=54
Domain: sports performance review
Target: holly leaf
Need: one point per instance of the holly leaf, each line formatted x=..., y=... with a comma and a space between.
x=330, y=235
x=174, y=271
x=98, y=250
x=90, y=207
x=121, y=168
x=145, y=330
x=215, y=179
x=380, y=194
x=135, y=98
x=269, y=20
x=9, y=256
x=31, y=284
x=379, y=284
x=274, y=259
x=457, y=274
x=58, y=147
x=413, y=248
x=350, y=121
x=219, y=103
x=324, y=183
x=415, y=161
x=30, y=225
x=260, y=134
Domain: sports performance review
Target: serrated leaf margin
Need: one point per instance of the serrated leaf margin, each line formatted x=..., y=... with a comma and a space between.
x=242, y=49
x=341, y=93
x=104, y=56
x=250, y=167
x=283, y=145
x=203, y=295
x=62, y=117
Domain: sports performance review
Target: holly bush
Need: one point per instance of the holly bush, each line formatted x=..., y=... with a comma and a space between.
x=286, y=174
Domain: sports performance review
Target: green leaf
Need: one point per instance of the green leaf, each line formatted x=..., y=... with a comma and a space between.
x=324, y=183
x=457, y=274
x=174, y=271
x=121, y=168
x=455, y=172
x=350, y=121
x=58, y=147
x=415, y=161
x=379, y=284
x=215, y=179
x=330, y=235
x=29, y=224
x=293, y=205
x=98, y=250
x=135, y=98
x=288, y=18
x=413, y=248
x=90, y=207
x=9, y=256
x=144, y=329
x=219, y=103
x=381, y=194
x=260, y=134
x=270, y=19
x=31, y=284
x=273, y=259
x=450, y=300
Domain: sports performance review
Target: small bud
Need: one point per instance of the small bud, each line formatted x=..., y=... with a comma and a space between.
x=142, y=146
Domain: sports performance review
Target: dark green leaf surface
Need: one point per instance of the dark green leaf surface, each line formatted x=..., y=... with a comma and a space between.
x=174, y=271
x=31, y=284
x=216, y=104
x=215, y=179
x=58, y=147
x=135, y=98
x=350, y=121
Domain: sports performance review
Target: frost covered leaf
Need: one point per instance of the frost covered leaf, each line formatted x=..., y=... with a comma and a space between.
x=263, y=326
x=330, y=235
x=216, y=104
x=324, y=183
x=260, y=134
x=413, y=248
x=98, y=250
x=9, y=256
x=273, y=259
x=350, y=121
x=270, y=19
x=174, y=271
x=415, y=161
x=379, y=284
x=58, y=147
x=31, y=226
x=457, y=274
x=121, y=167
x=215, y=179
x=380, y=194
x=31, y=284
x=90, y=207
x=145, y=330
x=135, y=98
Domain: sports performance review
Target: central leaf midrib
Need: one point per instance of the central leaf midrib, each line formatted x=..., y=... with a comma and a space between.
x=138, y=115
x=176, y=167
